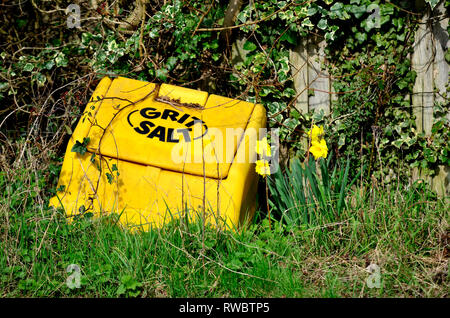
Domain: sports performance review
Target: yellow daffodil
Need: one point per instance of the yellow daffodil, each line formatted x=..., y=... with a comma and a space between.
x=263, y=148
x=319, y=149
x=262, y=167
x=316, y=133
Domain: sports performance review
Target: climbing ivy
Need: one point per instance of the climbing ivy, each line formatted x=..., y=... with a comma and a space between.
x=373, y=119
x=182, y=42
x=368, y=46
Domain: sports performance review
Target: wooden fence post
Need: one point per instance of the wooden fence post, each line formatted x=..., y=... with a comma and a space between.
x=319, y=80
x=299, y=69
x=311, y=79
x=431, y=42
x=441, y=70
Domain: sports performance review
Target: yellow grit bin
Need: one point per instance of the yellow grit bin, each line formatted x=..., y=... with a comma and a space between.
x=154, y=153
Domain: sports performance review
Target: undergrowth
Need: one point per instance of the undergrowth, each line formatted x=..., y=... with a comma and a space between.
x=49, y=71
x=403, y=231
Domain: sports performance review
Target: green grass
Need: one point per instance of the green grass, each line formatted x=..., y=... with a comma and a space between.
x=405, y=232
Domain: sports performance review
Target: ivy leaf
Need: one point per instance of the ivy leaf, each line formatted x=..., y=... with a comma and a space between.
x=249, y=46
x=171, y=62
x=432, y=3
x=397, y=143
x=295, y=114
x=162, y=74
x=307, y=23
x=358, y=11
x=398, y=23
x=323, y=23
x=4, y=86
x=402, y=84
x=265, y=91
x=153, y=33
x=41, y=79
x=215, y=56
x=28, y=67
x=329, y=36
x=21, y=23
x=447, y=56
x=81, y=147
x=288, y=92
x=109, y=177
x=312, y=11
x=49, y=64
x=337, y=11
x=361, y=37
x=341, y=141
x=61, y=188
x=290, y=37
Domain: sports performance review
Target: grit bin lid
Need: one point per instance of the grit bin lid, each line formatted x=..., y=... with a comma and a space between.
x=173, y=128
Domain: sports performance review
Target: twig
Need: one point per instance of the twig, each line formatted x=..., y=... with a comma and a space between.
x=249, y=23
x=202, y=17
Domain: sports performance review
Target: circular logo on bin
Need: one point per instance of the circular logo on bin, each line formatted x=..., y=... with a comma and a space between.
x=149, y=121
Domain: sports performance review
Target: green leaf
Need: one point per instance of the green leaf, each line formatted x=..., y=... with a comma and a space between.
x=337, y=11
x=358, y=11
x=68, y=130
x=41, y=79
x=290, y=37
x=402, y=84
x=447, y=56
x=329, y=36
x=171, y=62
x=109, y=177
x=21, y=22
x=397, y=143
x=265, y=91
x=3, y=86
x=216, y=56
x=153, y=33
x=322, y=24
x=307, y=23
x=28, y=67
x=49, y=64
x=432, y=3
x=81, y=147
x=341, y=141
x=61, y=188
x=312, y=11
x=121, y=290
x=60, y=59
x=162, y=74
x=249, y=46
x=361, y=37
